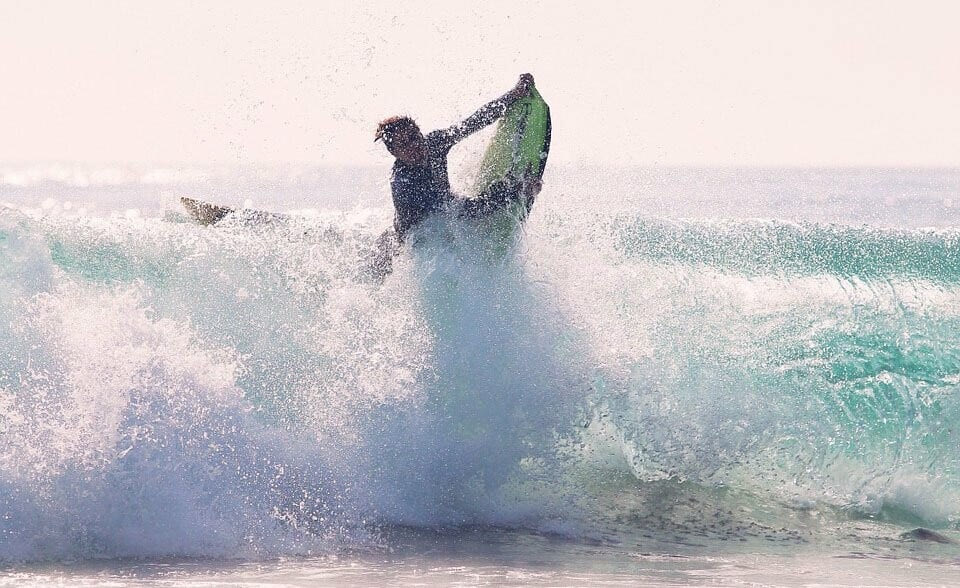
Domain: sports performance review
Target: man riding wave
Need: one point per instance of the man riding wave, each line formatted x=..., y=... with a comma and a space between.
x=419, y=181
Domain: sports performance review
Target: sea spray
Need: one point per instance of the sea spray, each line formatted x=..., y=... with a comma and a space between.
x=792, y=382
x=169, y=389
x=244, y=391
x=501, y=379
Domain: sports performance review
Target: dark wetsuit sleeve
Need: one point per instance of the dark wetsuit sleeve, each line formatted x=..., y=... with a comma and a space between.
x=487, y=113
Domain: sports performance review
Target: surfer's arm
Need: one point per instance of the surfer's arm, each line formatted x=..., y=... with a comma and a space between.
x=489, y=112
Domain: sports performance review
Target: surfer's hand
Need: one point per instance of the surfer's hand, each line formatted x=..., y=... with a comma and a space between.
x=522, y=88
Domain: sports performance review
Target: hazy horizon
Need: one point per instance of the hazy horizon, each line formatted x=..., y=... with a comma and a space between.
x=694, y=84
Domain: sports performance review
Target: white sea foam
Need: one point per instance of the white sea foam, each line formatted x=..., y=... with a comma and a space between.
x=171, y=389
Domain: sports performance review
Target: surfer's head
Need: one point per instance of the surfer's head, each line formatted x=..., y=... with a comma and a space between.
x=403, y=138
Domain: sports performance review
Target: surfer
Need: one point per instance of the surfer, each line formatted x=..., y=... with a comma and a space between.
x=419, y=181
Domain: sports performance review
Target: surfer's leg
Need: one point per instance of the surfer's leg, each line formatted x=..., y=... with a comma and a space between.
x=204, y=212
x=379, y=262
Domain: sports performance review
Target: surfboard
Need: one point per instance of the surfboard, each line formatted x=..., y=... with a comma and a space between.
x=517, y=154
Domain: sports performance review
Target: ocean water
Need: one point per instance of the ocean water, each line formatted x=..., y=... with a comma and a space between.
x=669, y=376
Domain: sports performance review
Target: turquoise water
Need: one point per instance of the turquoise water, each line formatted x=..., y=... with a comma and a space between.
x=670, y=376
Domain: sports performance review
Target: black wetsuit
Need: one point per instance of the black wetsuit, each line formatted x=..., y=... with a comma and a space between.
x=420, y=190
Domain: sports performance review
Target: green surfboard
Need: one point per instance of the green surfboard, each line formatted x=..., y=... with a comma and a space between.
x=517, y=154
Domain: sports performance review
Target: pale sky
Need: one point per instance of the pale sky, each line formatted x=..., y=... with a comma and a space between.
x=651, y=83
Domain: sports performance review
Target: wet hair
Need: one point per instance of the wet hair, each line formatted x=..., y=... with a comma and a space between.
x=391, y=128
